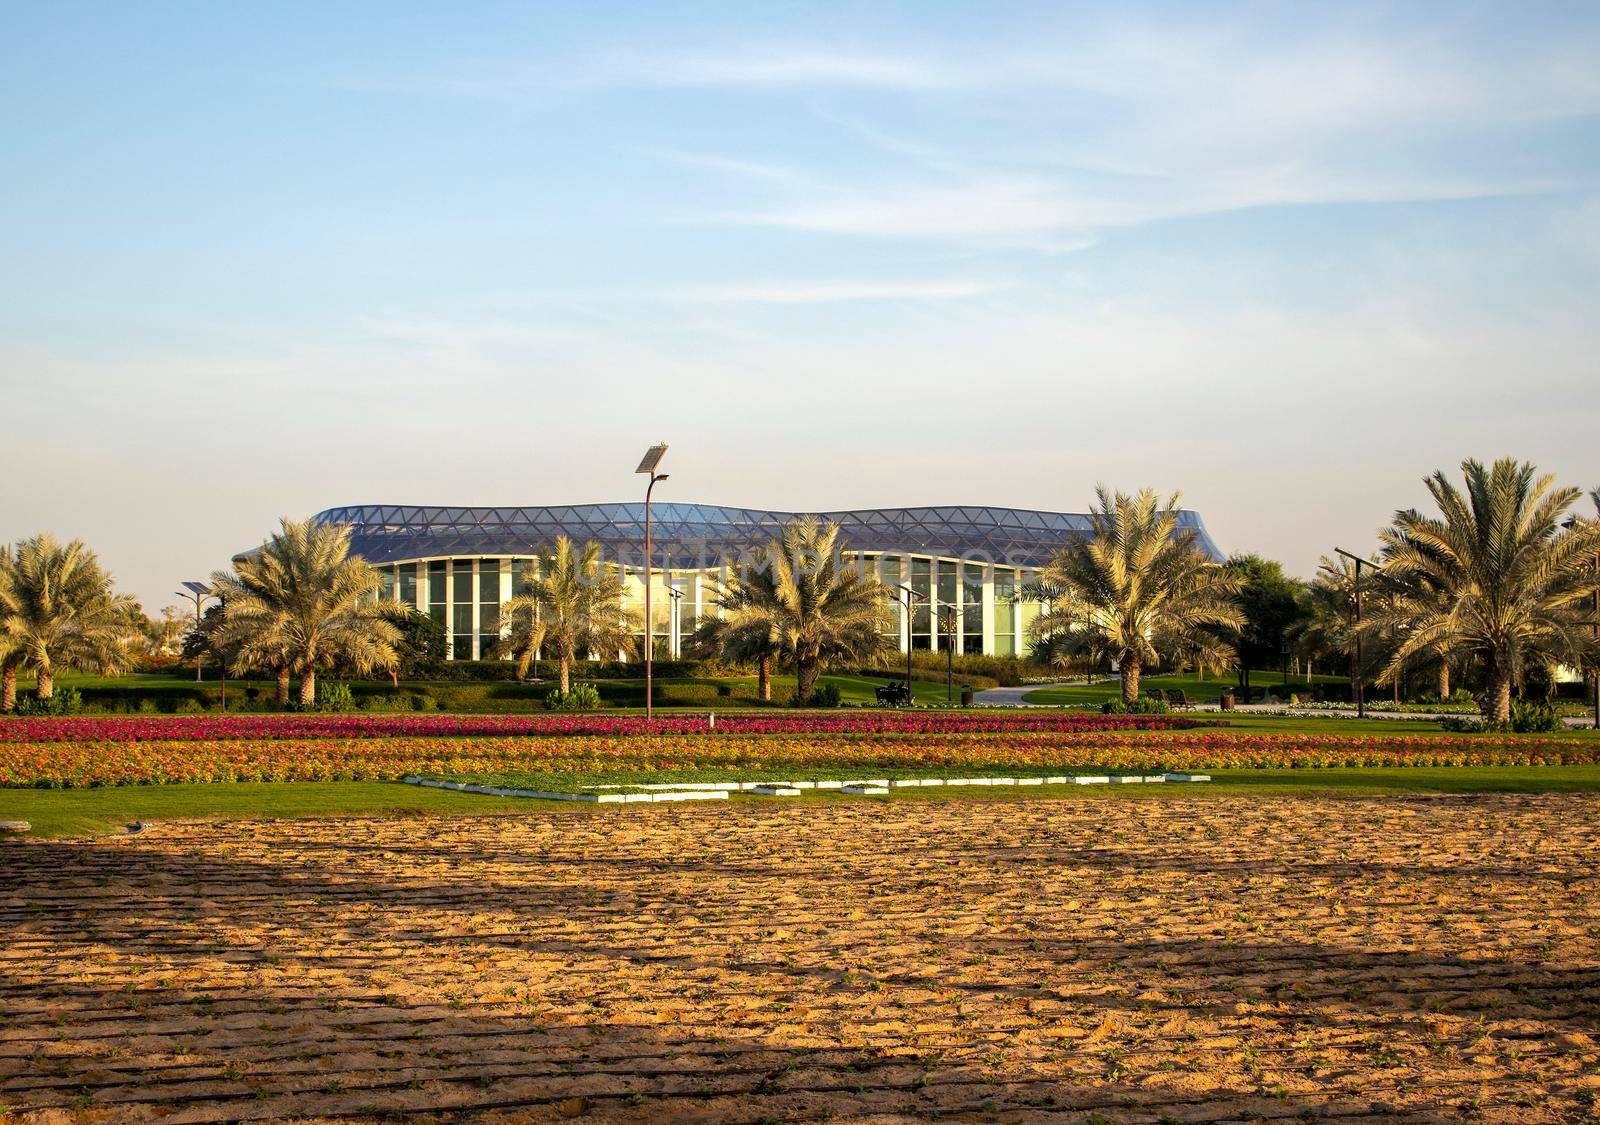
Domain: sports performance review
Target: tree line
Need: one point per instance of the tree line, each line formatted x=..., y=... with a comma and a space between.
x=1503, y=581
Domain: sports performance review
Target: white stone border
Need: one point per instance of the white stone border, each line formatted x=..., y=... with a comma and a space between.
x=719, y=790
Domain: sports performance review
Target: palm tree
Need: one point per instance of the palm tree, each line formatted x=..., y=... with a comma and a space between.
x=1512, y=581
x=1324, y=633
x=573, y=605
x=803, y=604
x=738, y=637
x=301, y=604
x=1404, y=600
x=58, y=609
x=1140, y=587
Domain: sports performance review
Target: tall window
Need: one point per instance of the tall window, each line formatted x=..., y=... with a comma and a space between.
x=488, y=608
x=461, y=608
x=386, y=583
x=436, y=592
x=887, y=570
x=408, y=585
x=972, y=607
x=922, y=616
x=1005, y=610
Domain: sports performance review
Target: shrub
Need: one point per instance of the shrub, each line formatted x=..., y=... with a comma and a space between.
x=826, y=695
x=1144, y=705
x=583, y=697
x=1526, y=718
x=332, y=695
x=67, y=701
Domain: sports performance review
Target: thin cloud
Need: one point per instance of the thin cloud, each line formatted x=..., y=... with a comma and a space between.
x=829, y=292
x=733, y=166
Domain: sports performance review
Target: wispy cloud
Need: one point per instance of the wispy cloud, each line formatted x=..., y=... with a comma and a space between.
x=750, y=169
x=830, y=292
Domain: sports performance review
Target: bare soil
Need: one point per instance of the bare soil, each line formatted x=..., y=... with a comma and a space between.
x=1431, y=958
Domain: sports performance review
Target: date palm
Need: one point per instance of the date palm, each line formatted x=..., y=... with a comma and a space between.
x=802, y=603
x=302, y=604
x=58, y=609
x=1513, y=583
x=1142, y=588
x=738, y=641
x=1326, y=631
x=573, y=606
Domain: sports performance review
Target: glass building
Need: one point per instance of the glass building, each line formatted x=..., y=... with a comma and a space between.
x=971, y=567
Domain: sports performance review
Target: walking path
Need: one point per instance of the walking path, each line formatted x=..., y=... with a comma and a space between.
x=1015, y=697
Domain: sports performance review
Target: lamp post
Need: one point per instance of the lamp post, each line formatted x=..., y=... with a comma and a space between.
x=652, y=458
x=909, y=597
x=199, y=592
x=948, y=621
x=1355, y=663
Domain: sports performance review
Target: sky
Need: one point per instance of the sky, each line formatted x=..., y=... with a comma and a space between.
x=261, y=260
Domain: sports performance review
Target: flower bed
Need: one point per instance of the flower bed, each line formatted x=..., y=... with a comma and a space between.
x=58, y=763
x=174, y=728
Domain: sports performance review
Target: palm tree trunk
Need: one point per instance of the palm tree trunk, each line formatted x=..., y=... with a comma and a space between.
x=1444, y=681
x=283, y=686
x=805, y=677
x=566, y=674
x=46, y=684
x=308, y=688
x=8, y=689
x=764, y=679
x=1496, y=702
x=1130, y=679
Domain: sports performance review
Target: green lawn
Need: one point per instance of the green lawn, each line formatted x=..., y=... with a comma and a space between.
x=55, y=812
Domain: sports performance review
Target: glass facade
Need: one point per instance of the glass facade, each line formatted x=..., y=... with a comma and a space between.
x=976, y=562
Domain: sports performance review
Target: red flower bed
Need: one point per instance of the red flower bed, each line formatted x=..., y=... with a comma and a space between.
x=164, y=728
x=290, y=759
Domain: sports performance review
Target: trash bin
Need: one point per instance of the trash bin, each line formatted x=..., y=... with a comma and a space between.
x=1227, y=701
x=966, y=695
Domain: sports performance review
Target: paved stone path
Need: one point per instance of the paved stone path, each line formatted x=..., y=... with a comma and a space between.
x=1131, y=959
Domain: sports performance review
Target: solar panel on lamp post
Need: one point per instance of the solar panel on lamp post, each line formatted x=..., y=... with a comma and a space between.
x=199, y=591
x=647, y=464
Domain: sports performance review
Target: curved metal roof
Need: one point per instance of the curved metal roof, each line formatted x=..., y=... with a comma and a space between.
x=705, y=535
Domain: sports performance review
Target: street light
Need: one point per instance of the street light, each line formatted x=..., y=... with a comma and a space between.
x=948, y=622
x=910, y=598
x=199, y=591
x=647, y=464
x=1355, y=664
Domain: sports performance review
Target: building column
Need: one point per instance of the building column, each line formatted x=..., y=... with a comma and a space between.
x=988, y=609
x=476, y=606
x=449, y=610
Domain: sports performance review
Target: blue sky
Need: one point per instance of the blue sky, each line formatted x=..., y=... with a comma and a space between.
x=262, y=260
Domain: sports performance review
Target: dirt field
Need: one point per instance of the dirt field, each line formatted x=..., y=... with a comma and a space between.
x=1166, y=959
